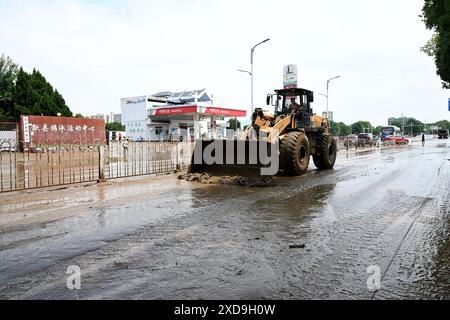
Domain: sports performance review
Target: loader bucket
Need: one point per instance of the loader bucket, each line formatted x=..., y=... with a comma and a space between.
x=246, y=158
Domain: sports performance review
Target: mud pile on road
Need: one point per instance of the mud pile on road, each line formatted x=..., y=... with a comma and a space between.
x=205, y=178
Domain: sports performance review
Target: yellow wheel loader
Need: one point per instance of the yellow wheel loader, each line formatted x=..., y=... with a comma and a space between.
x=293, y=129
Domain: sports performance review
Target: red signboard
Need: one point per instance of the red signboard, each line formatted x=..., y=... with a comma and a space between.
x=226, y=112
x=40, y=130
x=176, y=110
x=194, y=110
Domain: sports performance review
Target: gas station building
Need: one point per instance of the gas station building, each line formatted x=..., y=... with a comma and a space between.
x=168, y=116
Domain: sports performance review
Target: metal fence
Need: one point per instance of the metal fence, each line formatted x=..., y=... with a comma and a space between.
x=46, y=166
x=344, y=143
x=143, y=158
x=9, y=132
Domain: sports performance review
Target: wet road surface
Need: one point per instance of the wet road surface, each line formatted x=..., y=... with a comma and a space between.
x=311, y=237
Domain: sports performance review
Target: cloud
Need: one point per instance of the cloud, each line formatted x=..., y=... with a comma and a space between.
x=96, y=52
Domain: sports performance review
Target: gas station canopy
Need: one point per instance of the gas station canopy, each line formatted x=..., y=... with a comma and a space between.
x=193, y=109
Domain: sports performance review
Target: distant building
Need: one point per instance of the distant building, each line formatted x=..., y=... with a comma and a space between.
x=98, y=117
x=116, y=118
x=329, y=117
x=109, y=118
x=168, y=115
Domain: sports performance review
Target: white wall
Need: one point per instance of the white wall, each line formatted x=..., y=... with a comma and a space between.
x=152, y=136
x=134, y=116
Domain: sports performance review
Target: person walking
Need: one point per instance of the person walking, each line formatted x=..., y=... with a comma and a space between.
x=125, y=148
x=423, y=139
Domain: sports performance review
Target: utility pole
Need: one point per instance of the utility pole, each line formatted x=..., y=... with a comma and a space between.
x=326, y=96
x=251, y=72
x=328, y=88
x=251, y=76
x=403, y=124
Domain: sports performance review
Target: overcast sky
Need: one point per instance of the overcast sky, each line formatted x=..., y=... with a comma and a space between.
x=96, y=52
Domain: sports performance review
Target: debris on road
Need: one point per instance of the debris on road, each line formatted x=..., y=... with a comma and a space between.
x=297, y=246
x=205, y=178
x=121, y=265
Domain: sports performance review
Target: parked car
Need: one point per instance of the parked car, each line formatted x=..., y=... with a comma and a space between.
x=401, y=140
x=443, y=134
x=350, y=140
x=396, y=140
x=366, y=139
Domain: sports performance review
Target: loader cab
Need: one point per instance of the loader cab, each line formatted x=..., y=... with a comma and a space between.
x=285, y=98
x=295, y=100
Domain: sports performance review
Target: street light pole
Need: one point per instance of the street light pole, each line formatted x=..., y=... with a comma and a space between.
x=251, y=72
x=245, y=71
x=251, y=75
x=326, y=96
x=328, y=87
x=403, y=125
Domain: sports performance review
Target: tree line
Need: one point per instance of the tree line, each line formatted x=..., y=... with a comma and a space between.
x=115, y=126
x=23, y=93
x=410, y=126
x=436, y=16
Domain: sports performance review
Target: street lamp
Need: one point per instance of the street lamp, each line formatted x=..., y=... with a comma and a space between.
x=326, y=96
x=245, y=71
x=328, y=86
x=251, y=60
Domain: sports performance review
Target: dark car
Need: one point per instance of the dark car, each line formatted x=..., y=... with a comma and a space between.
x=443, y=134
x=366, y=139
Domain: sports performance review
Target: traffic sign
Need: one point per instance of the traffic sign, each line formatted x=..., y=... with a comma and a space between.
x=290, y=76
x=448, y=104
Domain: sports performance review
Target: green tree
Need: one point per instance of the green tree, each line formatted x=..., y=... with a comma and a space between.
x=234, y=124
x=35, y=96
x=397, y=122
x=444, y=124
x=340, y=129
x=431, y=46
x=377, y=131
x=115, y=126
x=361, y=127
x=415, y=125
x=436, y=16
x=405, y=124
x=335, y=128
x=22, y=93
x=345, y=129
x=8, y=77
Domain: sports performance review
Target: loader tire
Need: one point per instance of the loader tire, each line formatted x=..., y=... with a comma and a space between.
x=295, y=152
x=328, y=151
